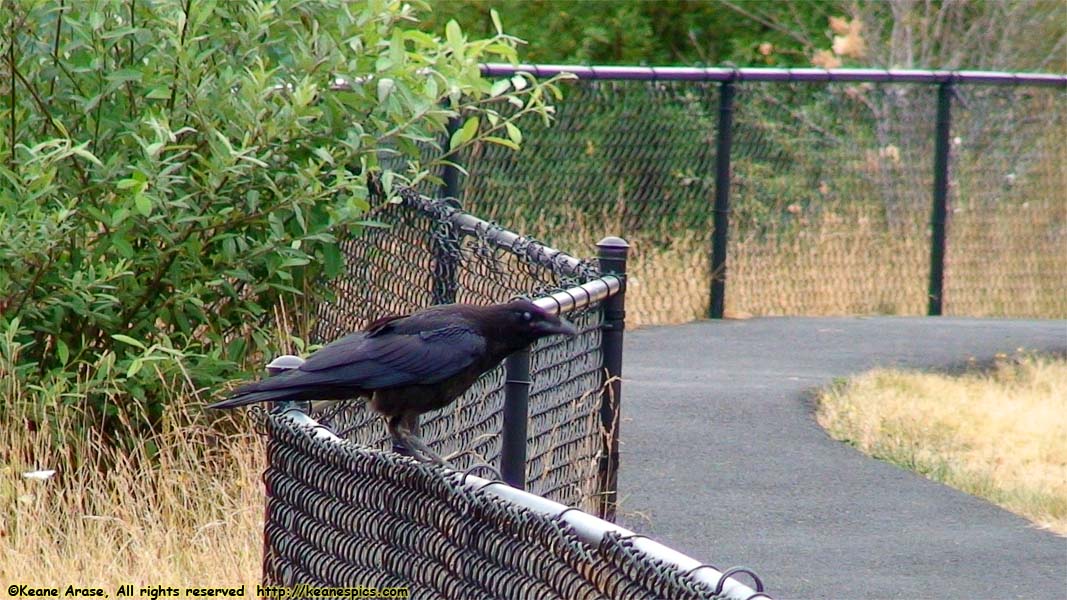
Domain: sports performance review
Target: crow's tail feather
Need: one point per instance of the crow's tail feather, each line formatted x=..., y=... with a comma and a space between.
x=253, y=397
x=293, y=386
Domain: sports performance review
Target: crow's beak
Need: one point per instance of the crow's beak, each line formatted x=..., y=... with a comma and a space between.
x=562, y=328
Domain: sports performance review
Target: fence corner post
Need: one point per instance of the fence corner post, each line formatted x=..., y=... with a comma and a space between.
x=721, y=211
x=612, y=255
x=939, y=212
x=516, y=414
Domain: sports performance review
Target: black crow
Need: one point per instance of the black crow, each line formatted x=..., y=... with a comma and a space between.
x=409, y=365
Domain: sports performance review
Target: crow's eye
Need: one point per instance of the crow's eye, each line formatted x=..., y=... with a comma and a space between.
x=526, y=316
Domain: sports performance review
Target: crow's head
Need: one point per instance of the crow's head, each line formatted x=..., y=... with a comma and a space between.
x=533, y=322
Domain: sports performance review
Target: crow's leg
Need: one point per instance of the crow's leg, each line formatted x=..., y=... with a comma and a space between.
x=402, y=428
x=399, y=446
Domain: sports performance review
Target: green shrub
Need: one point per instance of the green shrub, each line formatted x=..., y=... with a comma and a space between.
x=170, y=170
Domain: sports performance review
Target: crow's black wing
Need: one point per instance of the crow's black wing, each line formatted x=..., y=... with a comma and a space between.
x=397, y=359
x=359, y=363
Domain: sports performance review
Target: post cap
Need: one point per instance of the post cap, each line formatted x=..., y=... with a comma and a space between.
x=285, y=362
x=612, y=242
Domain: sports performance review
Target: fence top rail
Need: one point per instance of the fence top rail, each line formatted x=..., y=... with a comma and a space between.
x=581, y=296
x=589, y=529
x=467, y=224
x=641, y=73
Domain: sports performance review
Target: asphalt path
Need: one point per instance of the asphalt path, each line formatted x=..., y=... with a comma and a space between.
x=722, y=460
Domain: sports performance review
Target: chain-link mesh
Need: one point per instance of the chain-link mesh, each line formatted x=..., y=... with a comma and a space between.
x=831, y=199
x=1007, y=225
x=339, y=514
x=419, y=256
x=831, y=194
x=630, y=157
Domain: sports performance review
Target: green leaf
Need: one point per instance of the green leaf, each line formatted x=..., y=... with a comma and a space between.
x=502, y=142
x=62, y=351
x=464, y=134
x=128, y=340
x=495, y=16
x=82, y=152
x=124, y=75
x=454, y=34
x=420, y=38
x=519, y=82
x=499, y=87
x=513, y=132
x=135, y=367
x=333, y=261
x=123, y=246
x=159, y=93
x=119, y=216
x=143, y=204
x=294, y=261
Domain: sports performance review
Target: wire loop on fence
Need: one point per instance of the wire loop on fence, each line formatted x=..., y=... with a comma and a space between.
x=735, y=570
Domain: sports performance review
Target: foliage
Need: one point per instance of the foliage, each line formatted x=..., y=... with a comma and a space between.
x=686, y=32
x=170, y=170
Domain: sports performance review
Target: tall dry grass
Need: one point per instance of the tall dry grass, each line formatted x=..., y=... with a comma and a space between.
x=184, y=507
x=1003, y=260
x=999, y=434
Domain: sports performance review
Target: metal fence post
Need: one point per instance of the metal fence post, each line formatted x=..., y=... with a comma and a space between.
x=940, y=209
x=449, y=173
x=445, y=243
x=516, y=414
x=612, y=255
x=722, y=200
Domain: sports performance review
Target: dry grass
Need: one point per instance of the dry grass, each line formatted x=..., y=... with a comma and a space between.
x=191, y=514
x=842, y=261
x=999, y=434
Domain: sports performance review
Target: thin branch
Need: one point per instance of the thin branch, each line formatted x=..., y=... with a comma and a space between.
x=41, y=106
x=766, y=22
x=33, y=283
x=177, y=57
x=11, y=93
x=55, y=44
x=130, y=63
x=154, y=287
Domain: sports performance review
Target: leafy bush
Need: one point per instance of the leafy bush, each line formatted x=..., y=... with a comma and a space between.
x=170, y=170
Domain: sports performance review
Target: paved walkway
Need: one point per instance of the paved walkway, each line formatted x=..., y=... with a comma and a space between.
x=721, y=459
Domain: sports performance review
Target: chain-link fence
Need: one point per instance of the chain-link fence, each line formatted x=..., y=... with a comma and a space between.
x=428, y=252
x=342, y=512
x=340, y=515
x=831, y=189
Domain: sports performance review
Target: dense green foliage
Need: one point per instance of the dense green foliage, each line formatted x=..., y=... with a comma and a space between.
x=685, y=32
x=1022, y=35
x=170, y=170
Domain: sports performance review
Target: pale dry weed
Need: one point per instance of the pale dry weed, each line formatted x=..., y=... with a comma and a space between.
x=188, y=514
x=1001, y=434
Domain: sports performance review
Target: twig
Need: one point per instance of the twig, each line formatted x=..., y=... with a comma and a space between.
x=50, y=119
x=766, y=22
x=55, y=45
x=11, y=93
x=177, y=57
